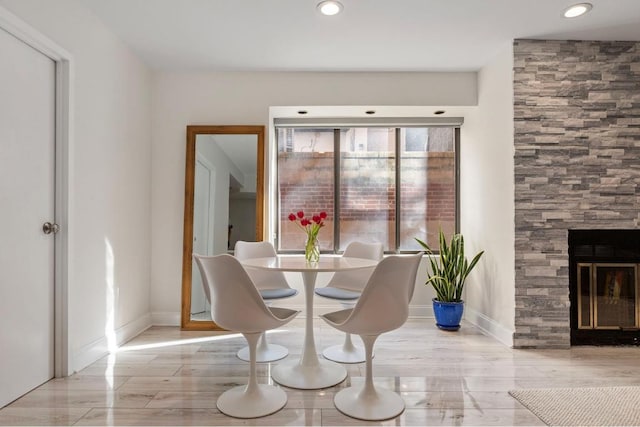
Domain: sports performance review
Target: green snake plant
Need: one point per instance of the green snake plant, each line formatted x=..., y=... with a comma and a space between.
x=450, y=270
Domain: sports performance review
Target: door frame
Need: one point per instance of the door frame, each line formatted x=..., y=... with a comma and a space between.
x=63, y=138
x=211, y=208
x=210, y=217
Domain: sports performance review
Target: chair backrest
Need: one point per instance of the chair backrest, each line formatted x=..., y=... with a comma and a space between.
x=384, y=303
x=263, y=279
x=236, y=303
x=355, y=280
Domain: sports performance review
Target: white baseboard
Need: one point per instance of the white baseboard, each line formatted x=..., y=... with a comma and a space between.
x=168, y=318
x=421, y=312
x=165, y=318
x=415, y=311
x=489, y=326
x=482, y=322
x=89, y=353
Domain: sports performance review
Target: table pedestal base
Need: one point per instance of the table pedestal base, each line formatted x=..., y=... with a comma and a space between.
x=293, y=374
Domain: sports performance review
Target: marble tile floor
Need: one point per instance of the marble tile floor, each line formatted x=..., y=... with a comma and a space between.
x=170, y=377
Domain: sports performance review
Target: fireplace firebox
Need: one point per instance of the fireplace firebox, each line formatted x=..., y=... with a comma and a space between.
x=604, y=287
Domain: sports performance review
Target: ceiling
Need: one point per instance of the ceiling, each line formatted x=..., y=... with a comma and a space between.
x=369, y=35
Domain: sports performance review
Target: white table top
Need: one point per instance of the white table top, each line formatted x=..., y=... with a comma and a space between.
x=298, y=263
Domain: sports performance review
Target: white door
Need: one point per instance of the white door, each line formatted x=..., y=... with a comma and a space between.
x=27, y=146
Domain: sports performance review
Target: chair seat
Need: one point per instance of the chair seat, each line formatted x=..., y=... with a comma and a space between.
x=268, y=294
x=282, y=313
x=337, y=293
x=337, y=318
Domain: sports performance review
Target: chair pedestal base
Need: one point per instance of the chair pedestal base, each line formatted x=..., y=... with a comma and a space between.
x=380, y=405
x=240, y=404
x=270, y=353
x=345, y=353
x=338, y=353
x=295, y=375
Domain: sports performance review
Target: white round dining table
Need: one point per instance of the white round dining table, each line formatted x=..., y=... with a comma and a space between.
x=310, y=372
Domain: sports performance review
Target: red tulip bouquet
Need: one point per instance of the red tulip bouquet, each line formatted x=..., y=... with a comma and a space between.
x=311, y=227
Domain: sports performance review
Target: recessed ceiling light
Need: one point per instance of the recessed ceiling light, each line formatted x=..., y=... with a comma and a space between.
x=330, y=7
x=577, y=10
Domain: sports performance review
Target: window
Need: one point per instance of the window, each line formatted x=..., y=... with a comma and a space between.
x=386, y=184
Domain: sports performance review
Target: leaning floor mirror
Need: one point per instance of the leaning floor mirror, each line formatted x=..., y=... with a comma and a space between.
x=223, y=203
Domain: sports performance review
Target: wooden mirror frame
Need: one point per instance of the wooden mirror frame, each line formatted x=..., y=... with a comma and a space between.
x=193, y=131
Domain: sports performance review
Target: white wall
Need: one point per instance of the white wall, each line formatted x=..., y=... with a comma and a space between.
x=487, y=204
x=110, y=169
x=243, y=98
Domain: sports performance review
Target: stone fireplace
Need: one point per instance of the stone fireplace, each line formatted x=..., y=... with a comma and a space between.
x=603, y=277
x=576, y=167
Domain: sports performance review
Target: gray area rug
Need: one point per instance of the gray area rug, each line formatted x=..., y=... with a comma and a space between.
x=595, y=406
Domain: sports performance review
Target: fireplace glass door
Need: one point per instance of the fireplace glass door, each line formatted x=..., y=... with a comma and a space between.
x=608, y=296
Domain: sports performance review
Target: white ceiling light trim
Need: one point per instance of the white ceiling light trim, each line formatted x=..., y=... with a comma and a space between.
x=330, y=7
x=577, y=10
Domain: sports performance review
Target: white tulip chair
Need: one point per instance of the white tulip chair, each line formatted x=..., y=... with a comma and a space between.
x=345, y=287
x=272, y=286
x=382, y=307
x=237, y=306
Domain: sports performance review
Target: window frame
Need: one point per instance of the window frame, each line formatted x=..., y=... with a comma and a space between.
x=293, y=124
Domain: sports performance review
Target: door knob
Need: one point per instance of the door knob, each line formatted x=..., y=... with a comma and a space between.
x=49, y=228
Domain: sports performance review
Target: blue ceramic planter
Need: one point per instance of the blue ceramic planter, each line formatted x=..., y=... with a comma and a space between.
x=448, y=314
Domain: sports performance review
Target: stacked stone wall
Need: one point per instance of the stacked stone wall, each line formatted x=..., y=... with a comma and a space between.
x=577, y=166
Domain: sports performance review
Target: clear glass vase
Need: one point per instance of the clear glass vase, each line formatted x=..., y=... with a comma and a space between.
x=312, y=249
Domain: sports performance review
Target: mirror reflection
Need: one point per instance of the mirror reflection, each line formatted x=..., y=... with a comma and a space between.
x=225, y=207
